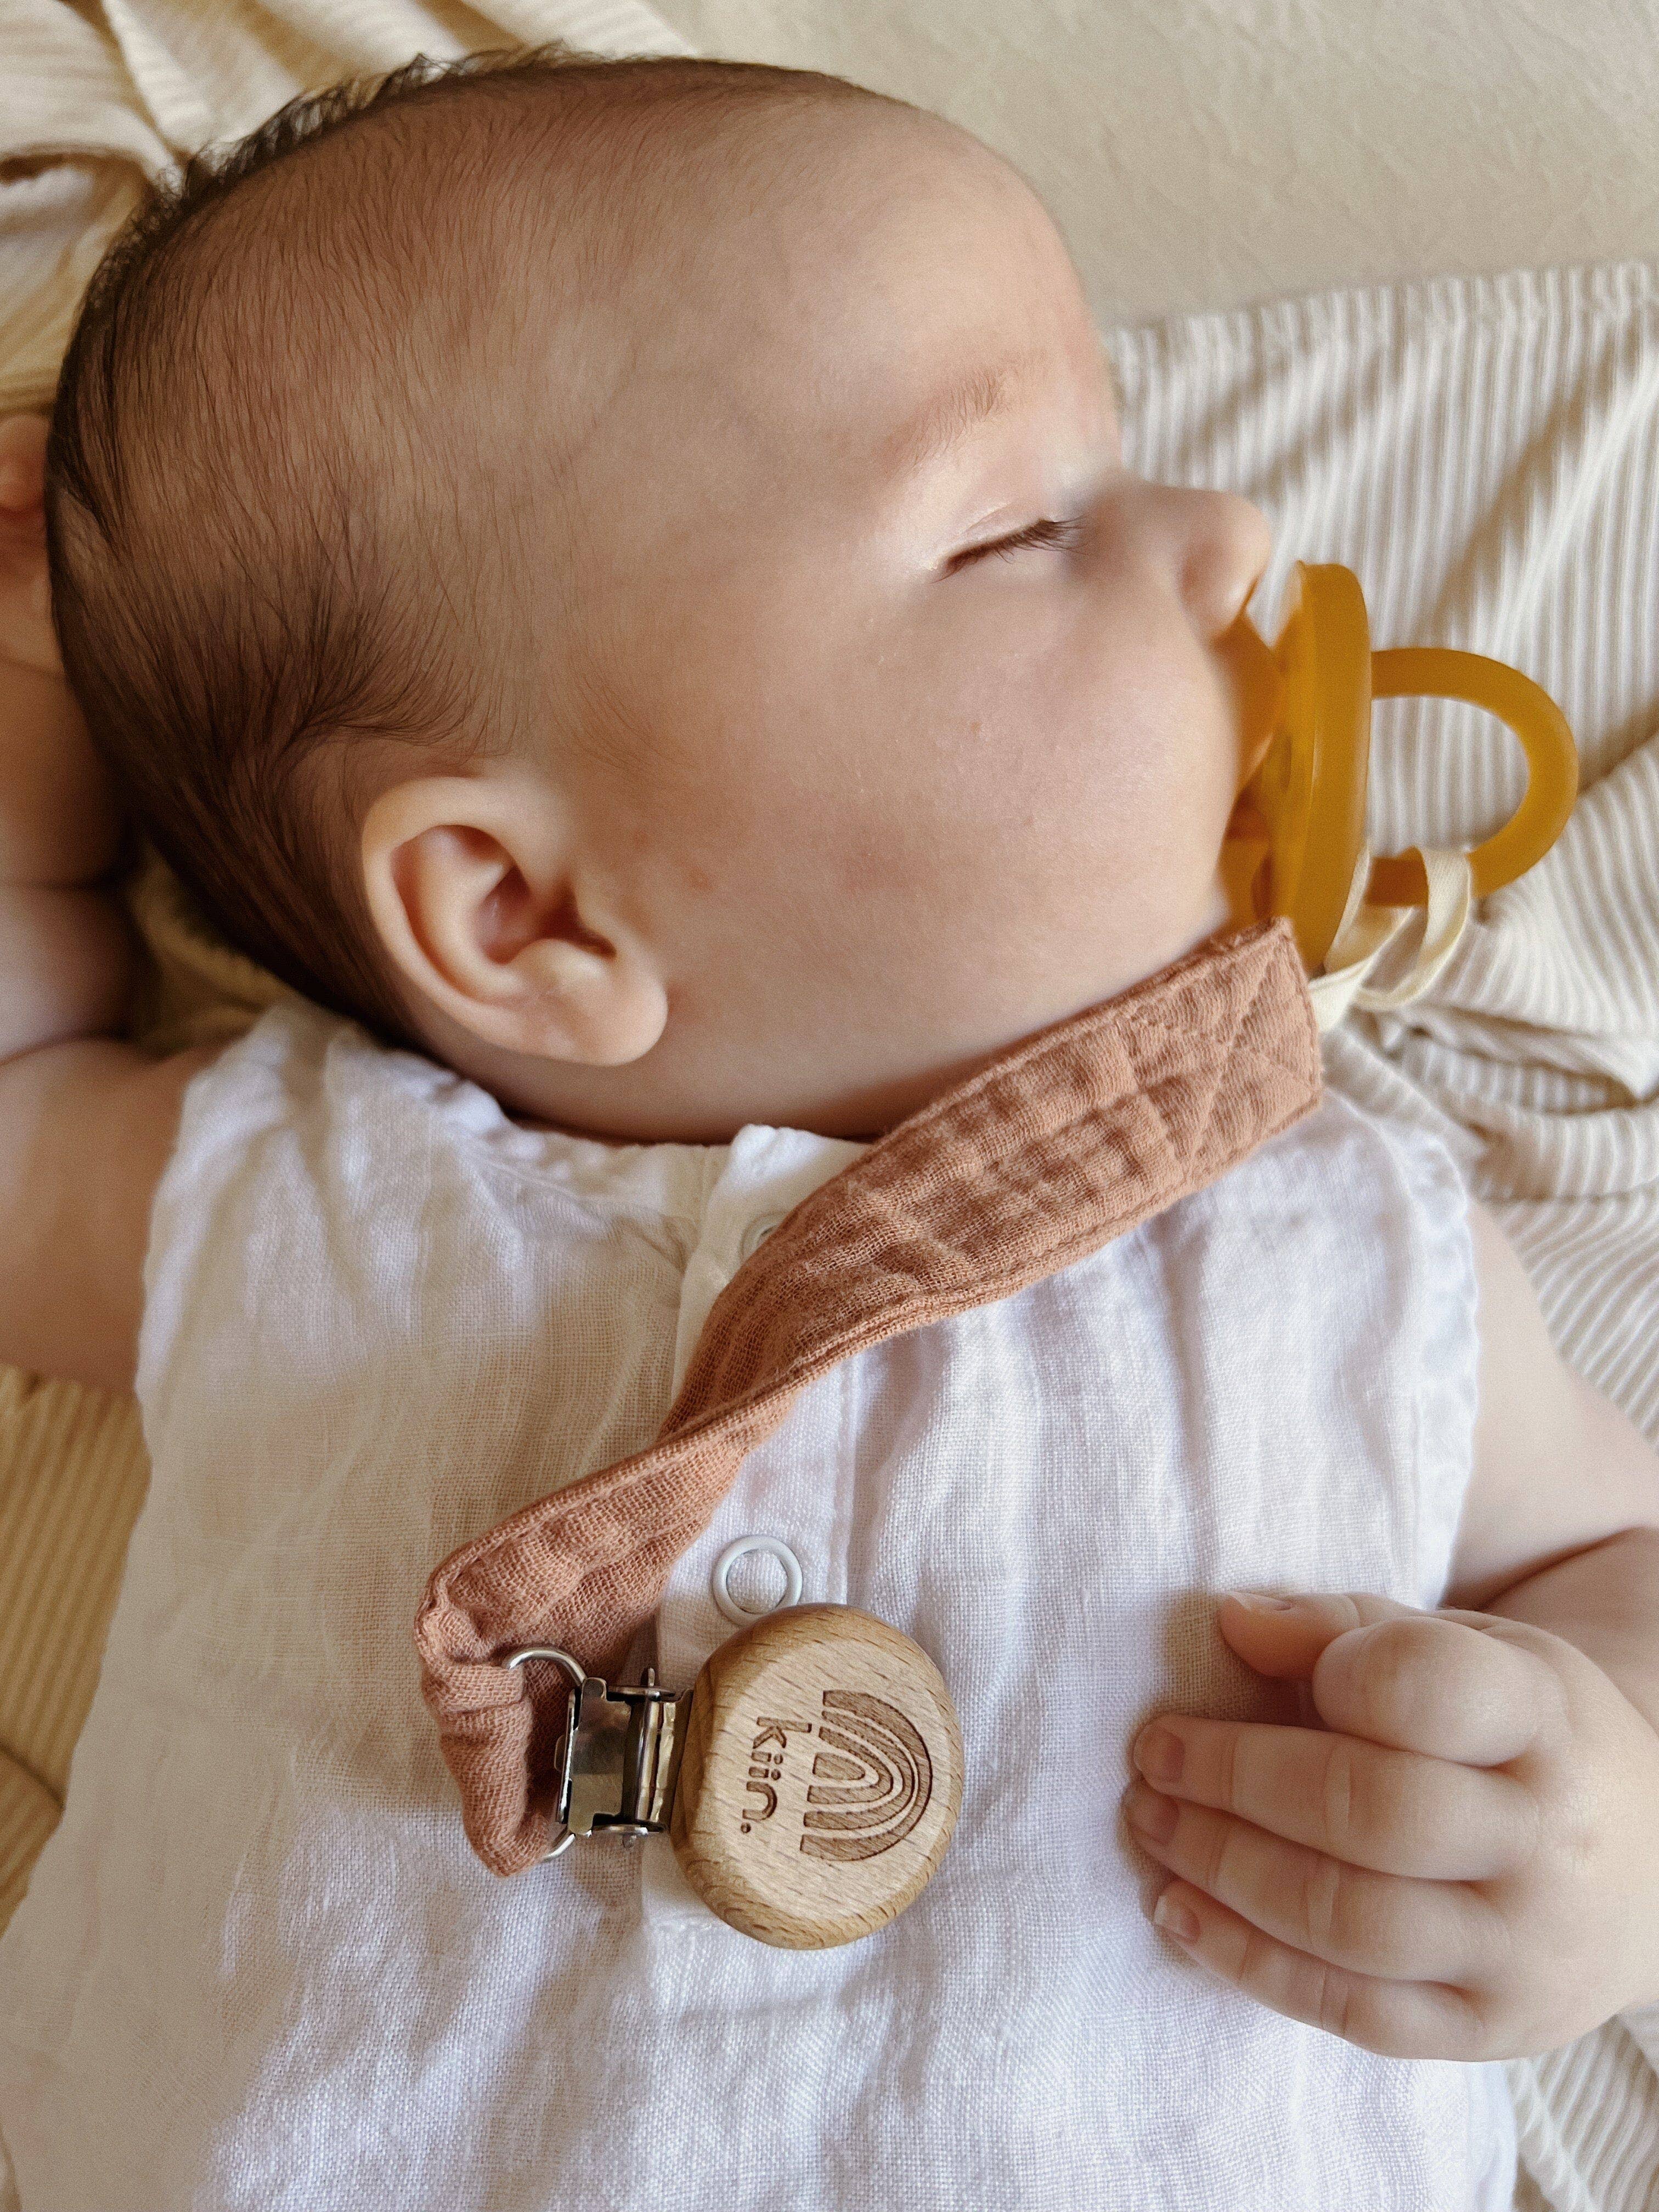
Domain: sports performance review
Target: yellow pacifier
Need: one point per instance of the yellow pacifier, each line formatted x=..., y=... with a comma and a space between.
x=1307, y=700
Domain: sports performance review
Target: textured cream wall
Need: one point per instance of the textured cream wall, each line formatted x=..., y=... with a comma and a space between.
x=1208, y=153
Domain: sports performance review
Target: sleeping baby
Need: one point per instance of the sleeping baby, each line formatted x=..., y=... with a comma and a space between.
x=619, y=583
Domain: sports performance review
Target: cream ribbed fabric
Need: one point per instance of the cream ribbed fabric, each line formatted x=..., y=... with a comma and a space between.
x=168, y=77
x=41, y=1517
x=72, y=1477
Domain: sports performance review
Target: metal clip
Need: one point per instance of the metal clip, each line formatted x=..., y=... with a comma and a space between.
x=619, y=1754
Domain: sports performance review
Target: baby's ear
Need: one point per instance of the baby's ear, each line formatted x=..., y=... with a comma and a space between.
x=26, y=632
x=491, y=914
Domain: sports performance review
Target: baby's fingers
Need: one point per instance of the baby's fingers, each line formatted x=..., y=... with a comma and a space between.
x=1370, y=1924
x=1401, y=2019
x=1393, y=1811
x=1456, y=1685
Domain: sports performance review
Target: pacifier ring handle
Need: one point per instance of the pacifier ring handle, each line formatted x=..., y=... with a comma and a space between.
x=1441, y=672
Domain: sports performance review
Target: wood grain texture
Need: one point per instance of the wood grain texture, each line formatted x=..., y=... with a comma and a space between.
x=820, y=1779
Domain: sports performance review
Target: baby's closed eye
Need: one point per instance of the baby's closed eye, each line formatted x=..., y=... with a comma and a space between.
x=1058, y=532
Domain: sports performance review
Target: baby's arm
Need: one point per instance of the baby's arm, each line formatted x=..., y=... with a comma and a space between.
x=1458, y=1859
x=86, y=1122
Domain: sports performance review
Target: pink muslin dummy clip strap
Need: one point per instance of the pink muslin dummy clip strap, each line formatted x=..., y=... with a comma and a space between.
x=1068, y=1140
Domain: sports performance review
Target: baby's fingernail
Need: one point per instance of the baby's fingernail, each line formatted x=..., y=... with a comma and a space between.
x=1260, y=1601
x=1176, y=1919
x=1159, y=1753
x=1151, y=1815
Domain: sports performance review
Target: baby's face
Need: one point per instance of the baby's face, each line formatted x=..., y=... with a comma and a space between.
x=913, y=728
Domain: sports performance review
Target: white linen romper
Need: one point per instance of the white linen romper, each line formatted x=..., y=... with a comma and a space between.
x=258, y=1965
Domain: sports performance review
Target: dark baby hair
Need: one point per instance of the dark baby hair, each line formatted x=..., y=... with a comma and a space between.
x=276, y=517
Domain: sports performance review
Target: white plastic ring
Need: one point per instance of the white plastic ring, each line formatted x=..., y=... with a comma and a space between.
x=757, y=1232
x=775, y=1548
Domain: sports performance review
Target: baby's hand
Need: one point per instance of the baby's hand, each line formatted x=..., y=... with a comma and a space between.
x=58, y=819
x=66, y=949
x=1462, y=1863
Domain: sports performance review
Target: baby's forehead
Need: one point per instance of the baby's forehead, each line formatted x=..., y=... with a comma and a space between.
x=676, y=282
x=653, y=337
x=815, y=295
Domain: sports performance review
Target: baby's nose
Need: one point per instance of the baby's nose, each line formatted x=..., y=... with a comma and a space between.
x=1229, y=541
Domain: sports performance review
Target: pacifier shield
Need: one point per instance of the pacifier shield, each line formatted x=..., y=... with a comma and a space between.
x=1308, y=792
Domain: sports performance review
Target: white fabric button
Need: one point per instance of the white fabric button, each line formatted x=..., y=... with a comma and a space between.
x=773, y=1547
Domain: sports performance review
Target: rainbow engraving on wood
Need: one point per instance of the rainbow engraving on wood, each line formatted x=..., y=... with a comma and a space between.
x=820, y=1779
x=887, y=1765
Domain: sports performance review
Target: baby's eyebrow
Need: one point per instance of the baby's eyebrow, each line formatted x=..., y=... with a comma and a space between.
x=976, y=398
x=950, y=415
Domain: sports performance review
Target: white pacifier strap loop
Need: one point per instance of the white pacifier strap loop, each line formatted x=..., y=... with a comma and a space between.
x=1366, y=932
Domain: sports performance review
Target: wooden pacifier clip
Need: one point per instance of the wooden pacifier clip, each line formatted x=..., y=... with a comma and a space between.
x=810, y=1779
